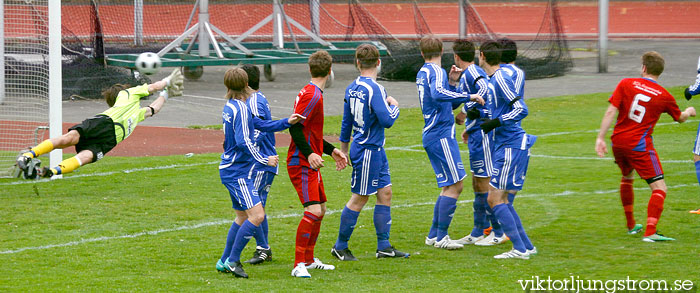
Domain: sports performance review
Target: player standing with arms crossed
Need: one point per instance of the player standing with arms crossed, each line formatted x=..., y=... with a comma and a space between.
x=640, y=102
x=437, y=99
x=475, y=81
x=689, y=93
x=511, y=151
x=304, y=163
x=367, y=112
x=96, y=136
x=237, y=162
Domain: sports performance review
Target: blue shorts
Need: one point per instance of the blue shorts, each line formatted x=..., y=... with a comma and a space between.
x=509, y=168
x=242, y=192
x=262, y=181
x=696, y=147
x=446, y=161
x=370, y=170
x=479, y=154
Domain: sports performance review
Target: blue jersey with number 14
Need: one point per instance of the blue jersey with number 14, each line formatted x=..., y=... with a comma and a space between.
x=437, y=100
x=366, y=113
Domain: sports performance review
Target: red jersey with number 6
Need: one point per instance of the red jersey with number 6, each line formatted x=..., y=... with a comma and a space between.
x=640, y=102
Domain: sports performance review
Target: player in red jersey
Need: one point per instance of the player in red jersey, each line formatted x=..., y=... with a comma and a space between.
x=304, y=163
x=640, y=101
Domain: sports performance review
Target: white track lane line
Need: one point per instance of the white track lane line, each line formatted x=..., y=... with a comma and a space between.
x=296, y=215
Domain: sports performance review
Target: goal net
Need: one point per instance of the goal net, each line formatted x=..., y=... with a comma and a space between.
x=24, y=99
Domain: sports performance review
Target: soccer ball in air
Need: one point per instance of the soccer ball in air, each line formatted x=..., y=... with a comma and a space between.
x=148, y=63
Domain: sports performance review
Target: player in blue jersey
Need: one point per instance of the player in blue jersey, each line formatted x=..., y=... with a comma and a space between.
x=474, y=81
x=689, y=93
x=511, y=149
x=367, y=112
x=437, y=97
x=263, y=175
x=237, y=162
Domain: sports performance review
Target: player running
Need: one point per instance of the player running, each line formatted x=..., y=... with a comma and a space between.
x=689, y=93
x=304, y=163
x=437, y=97
x=96, y=136
x=474, y=81
x=511, y=150
x=367, y=112
x=239, y=158
x=640, y=101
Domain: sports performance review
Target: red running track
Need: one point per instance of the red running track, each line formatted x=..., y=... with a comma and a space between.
x=633, y=18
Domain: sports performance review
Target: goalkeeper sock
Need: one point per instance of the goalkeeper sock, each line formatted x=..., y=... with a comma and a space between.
x=436, y=212
x=656, y=206
x=229, y=241
x=244, y=234
x=309, y=254
x=504, y=216
x=480, y=222
x=348, y=220
x=42, y=148
x=495, y=225
x=67, y=166
x=447, y=211
x=382, y=225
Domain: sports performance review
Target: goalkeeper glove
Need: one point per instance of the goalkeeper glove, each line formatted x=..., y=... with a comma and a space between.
x=490, y=124
x=688, y=96
x=175, y=79
x=473, y=113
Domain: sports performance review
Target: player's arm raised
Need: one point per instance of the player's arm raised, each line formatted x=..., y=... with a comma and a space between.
x=600, y=147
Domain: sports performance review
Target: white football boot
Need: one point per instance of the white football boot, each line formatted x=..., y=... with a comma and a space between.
x=447, y=243
x=300, y=271
x=318, y=265
x=492, y=240
x=430, y=241
x=469, y=239
x=513, y=254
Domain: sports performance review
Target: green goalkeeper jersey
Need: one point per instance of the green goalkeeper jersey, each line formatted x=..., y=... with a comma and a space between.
x=127, y=111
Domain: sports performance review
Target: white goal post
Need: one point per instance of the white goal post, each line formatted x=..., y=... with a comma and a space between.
x=30, y=79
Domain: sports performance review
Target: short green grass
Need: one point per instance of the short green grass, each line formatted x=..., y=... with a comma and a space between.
x=159, y=223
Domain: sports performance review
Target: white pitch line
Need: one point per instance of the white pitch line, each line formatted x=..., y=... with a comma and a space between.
x=294, y=215
x=596, y=130
x=412, y=149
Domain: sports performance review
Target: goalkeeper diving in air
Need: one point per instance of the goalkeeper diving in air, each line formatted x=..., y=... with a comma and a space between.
x=96, y=136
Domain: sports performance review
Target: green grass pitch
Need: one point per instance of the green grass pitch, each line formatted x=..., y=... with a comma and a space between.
x=159, y=223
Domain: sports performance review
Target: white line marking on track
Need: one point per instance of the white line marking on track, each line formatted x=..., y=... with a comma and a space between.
x=295, y=215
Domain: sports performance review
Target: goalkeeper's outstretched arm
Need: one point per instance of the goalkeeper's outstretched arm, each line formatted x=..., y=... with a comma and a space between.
x=154, y=107
x=170, y=86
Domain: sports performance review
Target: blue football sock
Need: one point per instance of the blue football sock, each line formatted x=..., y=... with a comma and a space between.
x=495, y=225
x=229, y=240
x=521, y=230
x=261, y=237
x=436, y=212
x=504, y=216
x=697, y=170
x=244, y=234
x=480, y=221
x=511, y=198
x=382, y=225
x=447, y=211
x=348, y=219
